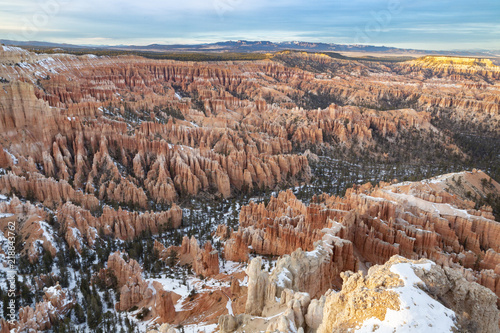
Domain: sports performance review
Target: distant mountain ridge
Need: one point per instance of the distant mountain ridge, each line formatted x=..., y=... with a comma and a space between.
x=244, y=46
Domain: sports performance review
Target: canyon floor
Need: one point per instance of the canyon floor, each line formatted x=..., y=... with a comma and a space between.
x=300, y=192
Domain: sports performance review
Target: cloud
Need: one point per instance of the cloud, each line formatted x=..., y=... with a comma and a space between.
x=190, y=21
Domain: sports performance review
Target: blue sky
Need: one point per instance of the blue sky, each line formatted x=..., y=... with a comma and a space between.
x=422, y=24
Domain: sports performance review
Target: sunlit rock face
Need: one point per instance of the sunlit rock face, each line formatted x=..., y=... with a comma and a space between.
x=401, y=295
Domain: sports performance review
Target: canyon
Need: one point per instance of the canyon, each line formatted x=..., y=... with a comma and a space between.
x=162, y=196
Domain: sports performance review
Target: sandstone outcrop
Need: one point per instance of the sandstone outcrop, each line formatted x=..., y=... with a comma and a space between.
x=223, y=158
x=302, y=274
x=401, y=293
x=21, y=111
x=229, y=323
x=54, y=307
x=203, y=260
x=31, y=226
x=224, y=137
x=257, y=286
x=83, y=227
x=136, y=291
x=283, y=226
x=375, y=295
x=46, y=190
x=415, y=220
x=165, y=328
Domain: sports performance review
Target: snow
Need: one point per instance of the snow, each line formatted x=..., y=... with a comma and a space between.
x=14, y=159
x=316, y=253
x=229, y=305
x=200, y=328
x=3, y=215
x=25, y=65
x=174, y=285
x=437, y=208
x=4, y=270
x=38, y=245
x=407, y=273
x=230, y=267
x=362, y=195
x=53, y=292
x=77, y=235
x=47, y=233
x=443, y=178
x=244, y=283
x=179, y=97
x=13, y=49
x=282, y=277
x=50, y=64
x=418, y=311
x=335, y=229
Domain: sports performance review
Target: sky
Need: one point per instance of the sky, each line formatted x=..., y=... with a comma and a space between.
x=418, y=24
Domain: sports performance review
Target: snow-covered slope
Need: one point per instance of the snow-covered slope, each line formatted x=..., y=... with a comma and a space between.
x=409, y=296
x=417, y=312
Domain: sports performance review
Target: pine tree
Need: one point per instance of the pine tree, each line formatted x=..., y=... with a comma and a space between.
x=79, y=313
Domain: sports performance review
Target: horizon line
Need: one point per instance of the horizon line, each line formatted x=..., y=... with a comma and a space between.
x=191, y=43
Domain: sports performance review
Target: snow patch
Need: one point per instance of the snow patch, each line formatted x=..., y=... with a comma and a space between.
x=200, y=328
x=283, y=277
x=230, y=267
x=47, y=233
x=14, y=159
x=418, y=311
x=13, y=49
x=229, y=305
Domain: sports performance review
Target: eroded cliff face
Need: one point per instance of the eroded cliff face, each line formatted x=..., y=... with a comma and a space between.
x=203, y=260
x=143, y=134
x=381, y=224
x=442, y=66
x=370, y=225
x=56, y=304
x=468, y=86
x=403, y=294
x=29, y=223
x=127, y=141
x=130, y=131
x=310, y=272
x=135, y=290
x=101, y=143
